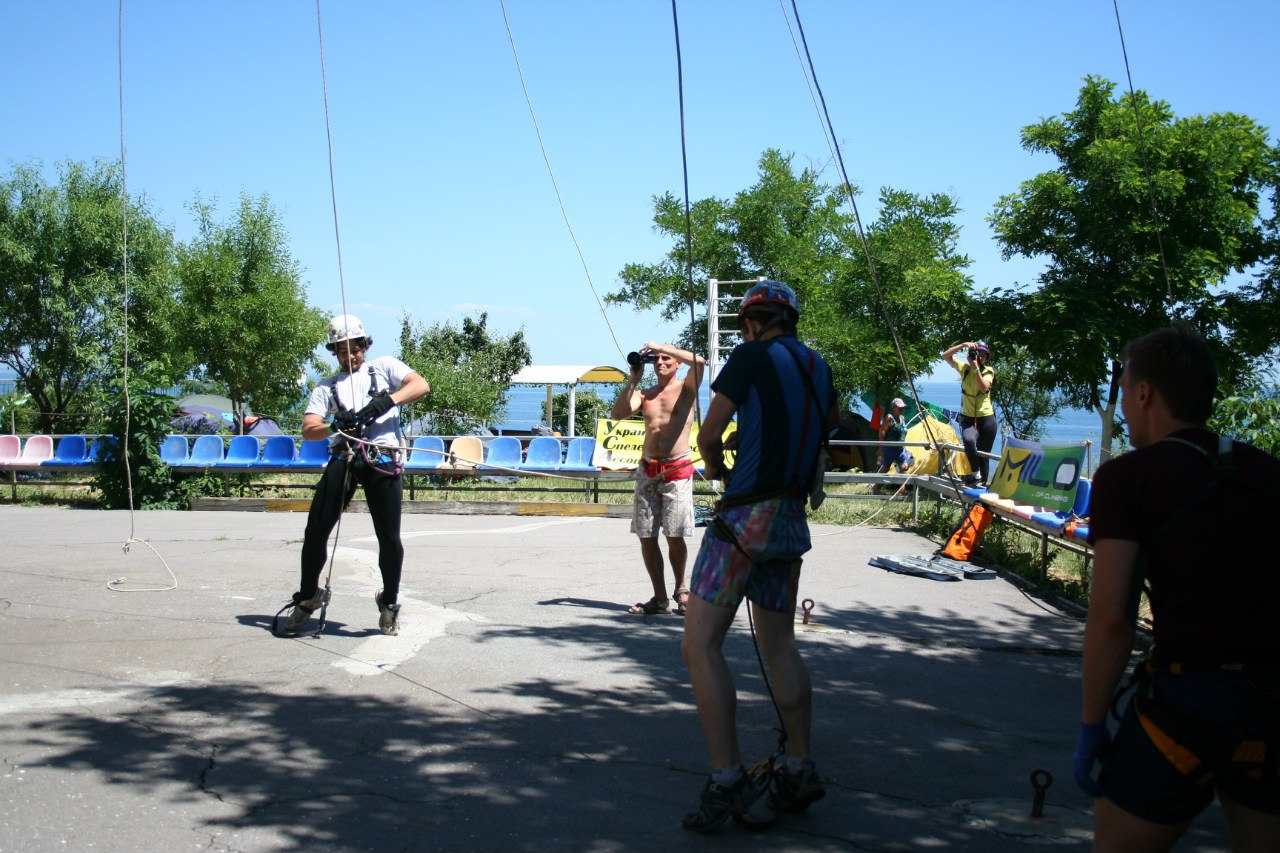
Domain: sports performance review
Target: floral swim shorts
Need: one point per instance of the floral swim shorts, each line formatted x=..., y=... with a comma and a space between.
x=662, y=505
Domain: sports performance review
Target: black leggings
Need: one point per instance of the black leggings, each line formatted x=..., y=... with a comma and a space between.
x=383, y=492
x=979, y=434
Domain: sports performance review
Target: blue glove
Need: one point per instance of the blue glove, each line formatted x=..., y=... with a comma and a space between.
x=346, y=420
x=1091, y=747
x=380, y=403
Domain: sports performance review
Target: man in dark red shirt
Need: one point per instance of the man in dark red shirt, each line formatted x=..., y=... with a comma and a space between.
x=1189, y=514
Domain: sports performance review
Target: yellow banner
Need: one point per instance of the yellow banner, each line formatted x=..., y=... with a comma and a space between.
x=620, y=444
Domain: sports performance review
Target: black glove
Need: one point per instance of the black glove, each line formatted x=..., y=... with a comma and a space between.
x=380, y=403
x=346, y=420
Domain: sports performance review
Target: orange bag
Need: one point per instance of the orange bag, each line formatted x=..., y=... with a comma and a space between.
x=965, y=540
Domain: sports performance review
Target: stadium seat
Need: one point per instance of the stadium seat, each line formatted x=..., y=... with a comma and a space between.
x=174, y=450
x=278, y=451
x=504, y=452
x=543, y=454
x=465, y=451
x=578, y=456
x=314, y=453
x=37, y=449
x=206, y=451
x=242, y=452
x=72, y=450
x=10, y=448
x=427, y=452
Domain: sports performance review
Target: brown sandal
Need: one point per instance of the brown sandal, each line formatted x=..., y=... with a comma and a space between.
x=682, y=604
x=651, y=607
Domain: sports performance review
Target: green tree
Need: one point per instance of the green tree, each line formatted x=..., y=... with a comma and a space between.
x=468, y=368
x=1091, y=219
x=243, y=307
x=1252, y=417
x=62, y=290
x=790, y=226
x=1021, y=399
x=588, y=406
x=914, y=245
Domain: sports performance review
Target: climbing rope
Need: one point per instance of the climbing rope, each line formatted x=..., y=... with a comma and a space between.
x=862, y=237
x=564, y=213
x=1142, y=159
x=116, y=585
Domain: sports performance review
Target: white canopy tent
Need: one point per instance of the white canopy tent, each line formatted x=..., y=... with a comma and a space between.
x=566, y=374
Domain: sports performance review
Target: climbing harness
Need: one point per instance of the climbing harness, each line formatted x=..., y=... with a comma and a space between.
x=1197, y=754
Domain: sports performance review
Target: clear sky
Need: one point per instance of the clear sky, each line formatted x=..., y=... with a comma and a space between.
x=444, y=202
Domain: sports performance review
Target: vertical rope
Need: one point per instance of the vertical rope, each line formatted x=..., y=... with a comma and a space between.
x=124, y=265
x=857, y=221
x=551, y=172
x=1142, y=159
x=333, y=184
x=115, y=585
x=688, y=219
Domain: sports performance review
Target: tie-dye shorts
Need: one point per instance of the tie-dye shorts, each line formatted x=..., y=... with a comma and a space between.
x=773, y=534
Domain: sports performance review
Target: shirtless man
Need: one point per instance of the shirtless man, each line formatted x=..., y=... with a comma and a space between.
x=664, y=478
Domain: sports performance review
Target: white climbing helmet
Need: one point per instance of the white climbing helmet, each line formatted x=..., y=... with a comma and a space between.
x=345, y=327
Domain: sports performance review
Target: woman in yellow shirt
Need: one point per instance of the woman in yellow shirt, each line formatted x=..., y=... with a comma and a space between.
x=977, y=415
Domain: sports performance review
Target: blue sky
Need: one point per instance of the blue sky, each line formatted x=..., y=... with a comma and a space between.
x=444, y=202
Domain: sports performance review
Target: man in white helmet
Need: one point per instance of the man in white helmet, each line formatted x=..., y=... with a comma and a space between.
x=363, y=399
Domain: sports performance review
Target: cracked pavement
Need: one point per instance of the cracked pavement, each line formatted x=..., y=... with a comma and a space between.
x=521, y=708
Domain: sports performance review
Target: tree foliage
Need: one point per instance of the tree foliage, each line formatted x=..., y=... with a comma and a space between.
x=244, y=314
x=790, y=226
x=1253, y=417
x=469, y=370
x=588, y=406
x=1091, y=219
x=1022, y=402
x=62, y=289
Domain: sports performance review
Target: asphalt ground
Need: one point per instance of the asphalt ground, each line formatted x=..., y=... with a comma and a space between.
x=521, y=707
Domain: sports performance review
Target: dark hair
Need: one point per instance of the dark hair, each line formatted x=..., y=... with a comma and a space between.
x=1178, y=364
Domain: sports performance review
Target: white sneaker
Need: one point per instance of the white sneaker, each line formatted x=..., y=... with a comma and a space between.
x=302, y=610
x=388, y=616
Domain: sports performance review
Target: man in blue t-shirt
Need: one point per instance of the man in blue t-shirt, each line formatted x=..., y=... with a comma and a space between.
x=784, y=399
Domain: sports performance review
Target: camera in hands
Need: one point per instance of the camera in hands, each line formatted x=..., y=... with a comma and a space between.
x=646, y=357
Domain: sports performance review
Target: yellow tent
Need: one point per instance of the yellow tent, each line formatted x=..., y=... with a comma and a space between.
x=935, y=432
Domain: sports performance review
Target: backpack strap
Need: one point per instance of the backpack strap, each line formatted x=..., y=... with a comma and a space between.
x=1224, y=470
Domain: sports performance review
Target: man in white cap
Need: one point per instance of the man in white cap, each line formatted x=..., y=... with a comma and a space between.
x=363, y=399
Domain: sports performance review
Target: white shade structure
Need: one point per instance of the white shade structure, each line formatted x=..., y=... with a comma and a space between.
x=566, y=374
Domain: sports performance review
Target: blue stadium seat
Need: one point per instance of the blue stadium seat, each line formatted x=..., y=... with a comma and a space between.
x=72, y=450
x=578, y=456
x=174, y=450
x=427, y=452
x=206, y=451
x=504, y=452
x=278, y=451
x=242, y=452
x=314, y=453
x=543, y=453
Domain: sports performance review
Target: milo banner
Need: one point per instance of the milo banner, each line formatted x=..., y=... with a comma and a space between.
x=1039, y=474
x=620, y=444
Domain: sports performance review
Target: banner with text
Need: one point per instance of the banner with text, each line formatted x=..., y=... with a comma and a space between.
x=1039, y=474
x=620, y=444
